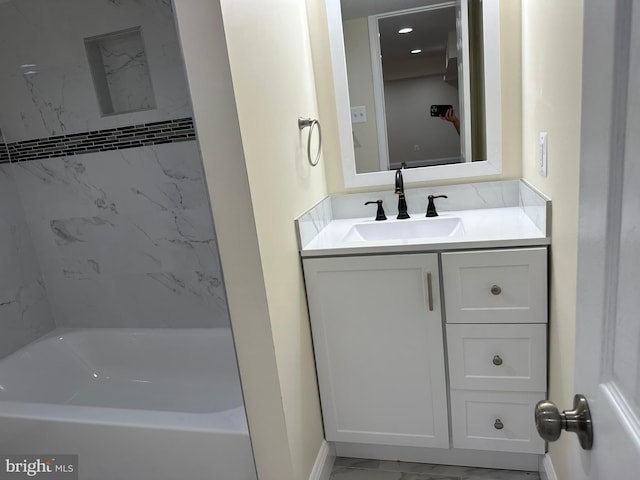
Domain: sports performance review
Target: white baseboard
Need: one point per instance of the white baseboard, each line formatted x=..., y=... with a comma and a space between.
x=324, y=463
x=547, y=472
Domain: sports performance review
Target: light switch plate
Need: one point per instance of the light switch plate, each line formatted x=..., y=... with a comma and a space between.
x=543, y=154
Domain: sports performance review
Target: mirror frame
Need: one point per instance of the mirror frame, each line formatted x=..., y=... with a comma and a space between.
x=493, y=97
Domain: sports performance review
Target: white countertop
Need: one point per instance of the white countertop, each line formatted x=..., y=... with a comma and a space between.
x=483, y=228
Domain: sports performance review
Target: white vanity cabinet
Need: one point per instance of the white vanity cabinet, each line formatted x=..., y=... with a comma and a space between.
x=377, y=324
x=377, y=334
x=496, y=309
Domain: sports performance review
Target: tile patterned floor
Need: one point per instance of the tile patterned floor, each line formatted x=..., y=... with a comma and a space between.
x=359, y=469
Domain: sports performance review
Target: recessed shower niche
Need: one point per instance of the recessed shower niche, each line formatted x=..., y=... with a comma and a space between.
x=120, y=71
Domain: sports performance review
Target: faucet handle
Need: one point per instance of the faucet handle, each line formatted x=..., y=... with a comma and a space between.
x=380, y=212
x=431, y=207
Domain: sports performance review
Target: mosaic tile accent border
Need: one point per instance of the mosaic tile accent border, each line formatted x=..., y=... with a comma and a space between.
x=133, y=136
x=4, y=154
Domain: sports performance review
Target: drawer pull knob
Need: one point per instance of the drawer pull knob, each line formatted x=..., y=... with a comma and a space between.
x=497, y=360
x=498, y=425
x=496, y=290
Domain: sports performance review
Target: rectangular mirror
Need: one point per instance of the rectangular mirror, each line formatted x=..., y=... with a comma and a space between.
x=387, y=82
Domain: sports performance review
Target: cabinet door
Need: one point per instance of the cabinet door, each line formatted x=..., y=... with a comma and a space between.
x=377, y=333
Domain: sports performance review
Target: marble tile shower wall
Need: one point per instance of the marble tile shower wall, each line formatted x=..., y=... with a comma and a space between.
x=59, y=97
x=124, y=237
x=24, y=309
x=121, y=230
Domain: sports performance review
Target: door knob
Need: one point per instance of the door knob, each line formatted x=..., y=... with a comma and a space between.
x=550, y=422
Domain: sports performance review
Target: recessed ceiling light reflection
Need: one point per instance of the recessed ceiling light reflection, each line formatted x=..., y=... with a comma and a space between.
x=405, y=30
x=416, y=51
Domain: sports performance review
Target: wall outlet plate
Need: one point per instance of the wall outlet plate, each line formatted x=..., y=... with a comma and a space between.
x=359, y=114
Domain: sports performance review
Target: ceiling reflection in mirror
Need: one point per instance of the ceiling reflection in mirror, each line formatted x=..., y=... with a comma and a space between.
x=401, y=65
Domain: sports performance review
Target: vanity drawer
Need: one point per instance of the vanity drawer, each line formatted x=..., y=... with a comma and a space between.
x=500, y=421
x=496, y=286
x=498, y=357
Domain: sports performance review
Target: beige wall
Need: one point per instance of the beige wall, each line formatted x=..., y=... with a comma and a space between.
x=551, y=86
x=409, y=123
x=270, y=58
x=417, y=66
x=360, y=76
x=202, y=37
x=510, y=55
x=259, y=181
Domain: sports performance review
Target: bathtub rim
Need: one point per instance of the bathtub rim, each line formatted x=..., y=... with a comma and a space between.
x=229, y=421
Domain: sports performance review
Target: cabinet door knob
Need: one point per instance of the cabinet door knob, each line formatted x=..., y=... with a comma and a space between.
x=498, y=425
x=496, y=290
x=497, y=360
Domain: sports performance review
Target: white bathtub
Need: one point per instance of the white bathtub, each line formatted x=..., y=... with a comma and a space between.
x=133, y=404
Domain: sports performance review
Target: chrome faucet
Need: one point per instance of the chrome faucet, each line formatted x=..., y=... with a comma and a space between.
x=402, y=203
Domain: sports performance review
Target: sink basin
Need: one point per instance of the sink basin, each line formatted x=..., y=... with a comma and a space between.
x=405, y=229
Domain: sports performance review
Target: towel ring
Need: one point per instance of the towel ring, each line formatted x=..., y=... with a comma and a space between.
x=311, y=122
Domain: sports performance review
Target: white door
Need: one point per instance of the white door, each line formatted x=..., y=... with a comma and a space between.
x=608, y=321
